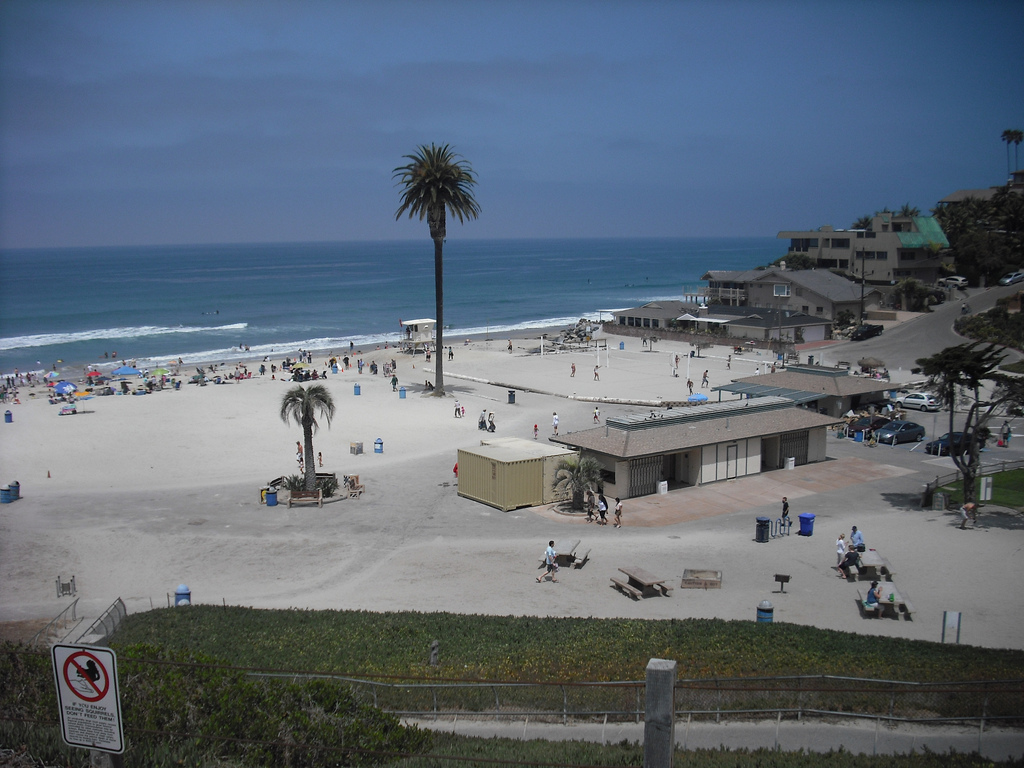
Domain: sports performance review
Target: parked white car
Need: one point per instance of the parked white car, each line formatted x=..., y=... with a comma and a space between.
x=922, y=401
x=956, y=281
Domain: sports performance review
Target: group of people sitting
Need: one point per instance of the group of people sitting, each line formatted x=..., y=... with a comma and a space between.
x=848, y=552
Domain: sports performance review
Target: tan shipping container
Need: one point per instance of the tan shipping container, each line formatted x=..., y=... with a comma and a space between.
x=510, y=472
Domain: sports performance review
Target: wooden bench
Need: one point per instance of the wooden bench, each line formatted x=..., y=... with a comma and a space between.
x=625, y=588
x=296, y=497
x=355, y=488
x=581, y=559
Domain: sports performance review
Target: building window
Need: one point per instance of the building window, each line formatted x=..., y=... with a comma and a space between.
x=804, y=308
x=622, y=320
x=781, y=289
x=819, y=310
x=869, y=234
x=882, y=255
x=647, y=322
x=840, y=242
x=654, y=323
x=905, y=256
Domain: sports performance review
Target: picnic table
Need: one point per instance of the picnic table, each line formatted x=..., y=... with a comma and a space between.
x=874, y=566
x=640, y=583
x=898, y=602
x=566, y=551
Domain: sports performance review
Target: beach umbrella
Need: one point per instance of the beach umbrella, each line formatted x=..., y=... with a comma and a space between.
x=126, y=370
x=870, y=362
x=697, y=397
x=94, y=374
x=64, y=387
x=160, y=371
x=51, y=375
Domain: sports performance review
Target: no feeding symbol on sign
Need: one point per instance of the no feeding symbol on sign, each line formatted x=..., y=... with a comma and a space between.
x=90, y=708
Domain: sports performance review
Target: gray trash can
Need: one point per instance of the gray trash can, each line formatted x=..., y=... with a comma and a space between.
x=183, y=595
x=761, y=533
x=511, y=397
x=807, y=524
x=765, y=612
x=271, y=496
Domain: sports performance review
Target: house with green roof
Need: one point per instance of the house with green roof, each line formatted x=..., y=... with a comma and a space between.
x=892, y=248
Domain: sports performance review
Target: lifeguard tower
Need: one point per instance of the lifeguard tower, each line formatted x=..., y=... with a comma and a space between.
x=418, y=334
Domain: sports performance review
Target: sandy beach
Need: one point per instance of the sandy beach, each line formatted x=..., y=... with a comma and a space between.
x=134, y=495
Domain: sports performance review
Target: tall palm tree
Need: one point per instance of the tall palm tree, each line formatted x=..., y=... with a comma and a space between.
x=434, y=181
x=302, y=405
x=1017, y=136
x=1012, y=136
x=909, y=210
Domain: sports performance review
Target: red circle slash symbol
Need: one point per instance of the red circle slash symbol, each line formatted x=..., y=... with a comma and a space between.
x=86, y=676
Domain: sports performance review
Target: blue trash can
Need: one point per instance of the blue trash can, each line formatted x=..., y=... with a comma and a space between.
x=622, y=345
x=511, y=397
x=8, y=417
x=765, y=612
x=761, y=532
x=356, y=388
x=271, y=497
x=806, y=524
x=15, y=490
x=401, y=393
x=378, y=446
x=5, y=495
x=182, y=595
x=334, y=369
x=858, y=437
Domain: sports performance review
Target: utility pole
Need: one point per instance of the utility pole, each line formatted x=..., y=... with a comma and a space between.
x=860, y=320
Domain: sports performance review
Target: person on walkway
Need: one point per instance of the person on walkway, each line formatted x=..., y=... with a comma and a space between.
x=510, y=346
x=785, y=508
x=618, y=512
x=840, y=548
x=704, y=379
x=458, y=410
x=394, y=383
x=602, y=509
x=968, y=511
x=591, y=505
x=689, y=385
x=451, y=354
x=572, y=373
x=550, y=563
x=554, y=422
x=455, y=471
x=535, y=431
x=857, y=540
x=1006, y=433
x=597, y=376
x=597, y=415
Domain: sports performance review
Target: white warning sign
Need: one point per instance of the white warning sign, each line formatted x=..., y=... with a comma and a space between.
x=87, y=696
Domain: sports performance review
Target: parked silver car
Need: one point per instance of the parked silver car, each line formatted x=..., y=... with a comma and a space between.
x=1011, y=279
x=922, y=401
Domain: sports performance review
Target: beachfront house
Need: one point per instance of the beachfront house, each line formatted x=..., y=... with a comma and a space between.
x=816, y=292
x=830, y=391
x=890, y=249
x=744, y=322
x=510, y=472
x=417, y=334
x=678, y=448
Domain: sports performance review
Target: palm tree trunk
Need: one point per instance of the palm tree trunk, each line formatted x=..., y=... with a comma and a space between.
x=309, y=478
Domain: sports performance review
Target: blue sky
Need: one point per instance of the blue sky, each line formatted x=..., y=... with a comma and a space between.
x=188, y=122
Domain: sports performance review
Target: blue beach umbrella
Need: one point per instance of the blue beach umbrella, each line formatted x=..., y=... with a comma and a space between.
x=64, y=387
x=126, y=370
x=697, y=397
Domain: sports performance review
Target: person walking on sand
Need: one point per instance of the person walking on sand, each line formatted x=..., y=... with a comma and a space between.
x=572, y=372
x=704, y=379
x=597, y=415
x=597, y=376
x=689, y=385
x=535, y=431
x=458, y=410
x=510, y=346
x=550, y=563
x=618, y=512
x=554, y=422
x=394, y=383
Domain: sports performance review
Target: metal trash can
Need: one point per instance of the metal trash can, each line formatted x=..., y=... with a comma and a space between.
x=5, y=495
x=355, y=388
x=8, y=417
x=271, y=496
x=807, y=524
x=378, y=446
x=762, y=530
x=182, y=595
x=401, y=393
x=15, y=490
x=810, y=359
x=511, y=397
x=765, y=612
x=791, y=462
x=355, y=449
x=622, y=345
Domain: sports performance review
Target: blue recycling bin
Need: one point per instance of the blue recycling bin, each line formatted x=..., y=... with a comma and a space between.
x=622, y=345
x=182, y=595
x=15, y=490
x=5, y=495
x=8, y=417
x=355, y=389
x=401, y=393
x=511, y=397
x=858, y=437
x=765, y=612
x=334, y=369
x=271, y=497
x=807, y=524
x=378, y=446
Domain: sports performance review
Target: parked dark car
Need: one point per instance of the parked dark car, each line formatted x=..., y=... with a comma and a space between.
x=941, y=446
x=865, y=331
x=901, y=431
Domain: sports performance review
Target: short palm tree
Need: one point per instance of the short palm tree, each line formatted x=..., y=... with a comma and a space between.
x=302, y=405
x=575, y=476
x=864, y=222
x=436, y=181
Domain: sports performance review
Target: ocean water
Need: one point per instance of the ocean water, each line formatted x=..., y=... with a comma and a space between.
x=200, y=302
